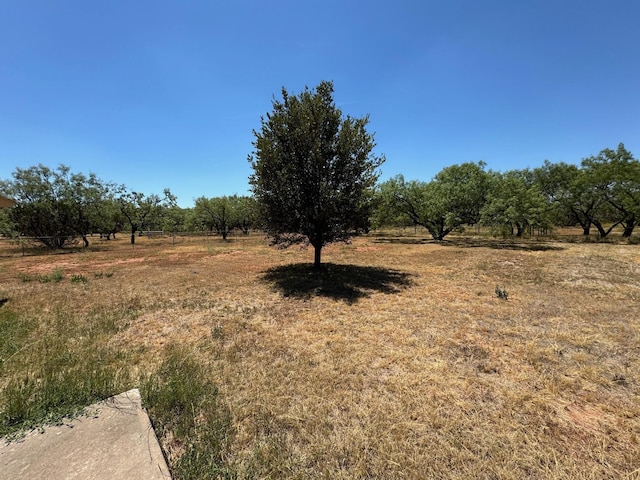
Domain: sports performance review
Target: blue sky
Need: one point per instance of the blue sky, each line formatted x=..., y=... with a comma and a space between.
x=160, y=93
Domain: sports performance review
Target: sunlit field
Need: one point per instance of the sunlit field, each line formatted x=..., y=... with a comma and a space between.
x=398, y=359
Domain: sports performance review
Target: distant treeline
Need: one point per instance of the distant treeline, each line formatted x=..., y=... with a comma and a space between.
x=60, y=207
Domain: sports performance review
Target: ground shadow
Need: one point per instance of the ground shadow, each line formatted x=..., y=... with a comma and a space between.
x=464, y=242
x=347, y=283
x=501, y=244
x=403, y=240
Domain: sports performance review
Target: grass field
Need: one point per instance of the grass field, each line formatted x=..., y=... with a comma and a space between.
x=397, y=360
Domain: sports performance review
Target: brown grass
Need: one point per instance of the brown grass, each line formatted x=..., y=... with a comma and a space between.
x=396, y=361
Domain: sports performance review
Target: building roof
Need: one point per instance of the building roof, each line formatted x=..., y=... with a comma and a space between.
x=6, y=202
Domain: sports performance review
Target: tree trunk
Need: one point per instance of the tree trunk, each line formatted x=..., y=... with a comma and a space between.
x=629, y=225
x=316, y=255
x=86, y=242
x=586, y=230
x=601, y=230
x=519, y=230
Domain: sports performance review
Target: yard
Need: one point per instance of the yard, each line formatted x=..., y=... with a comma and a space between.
x=397, y=360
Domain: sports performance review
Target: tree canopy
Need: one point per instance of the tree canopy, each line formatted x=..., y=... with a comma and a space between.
x=55, y=206
x=224, y=214
x=452, y=199
x=140, y=210
x=314, y=170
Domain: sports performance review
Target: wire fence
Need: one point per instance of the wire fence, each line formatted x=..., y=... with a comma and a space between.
x=29, y=245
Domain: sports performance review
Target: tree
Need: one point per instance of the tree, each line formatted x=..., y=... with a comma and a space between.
x=616, y=176
x=515, y=202
x=111, y=220
x=571, y=189
x=452, y=199
x=7, y=227
x=314, y=170
x=246, y=213
x=386, y=212
x=55, y=206
x=140, y=210
x=219, y=213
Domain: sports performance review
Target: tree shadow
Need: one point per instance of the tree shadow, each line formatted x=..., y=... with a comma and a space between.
x=501, y=244
x=348, y=283
x=403, y=240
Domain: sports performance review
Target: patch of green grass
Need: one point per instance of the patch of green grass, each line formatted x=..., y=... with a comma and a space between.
x=187, y=408
x=54, y=374
x=14, y=332
x=57, y=275
x=76, y=278
x=61, y=388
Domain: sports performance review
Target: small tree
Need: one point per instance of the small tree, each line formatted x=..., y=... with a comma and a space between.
x=314, y=170
x=218, y=213
x=139, y=210
x=111, y=221
x=246, y=213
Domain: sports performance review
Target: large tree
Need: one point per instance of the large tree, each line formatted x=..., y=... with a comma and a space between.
x=55, y=206
x=452, y=199
x=314, y=170
x=616, y=176
x=515, y=202
x=570, y=189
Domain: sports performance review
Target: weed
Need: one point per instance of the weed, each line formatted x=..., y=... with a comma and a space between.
x=13, y=333
x=217, y=333
x=59, y=389
x=186, y=408
x=57, y=275
x=502, y=293
x=109, y=274
x=620, y=380
x=25, y=278
x=98, y=275
x=76, y=278
x=51, y=378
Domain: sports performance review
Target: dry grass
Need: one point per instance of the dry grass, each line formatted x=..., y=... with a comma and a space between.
x=404, y=364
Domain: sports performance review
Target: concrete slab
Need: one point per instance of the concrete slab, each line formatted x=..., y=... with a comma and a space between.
x=115, y=441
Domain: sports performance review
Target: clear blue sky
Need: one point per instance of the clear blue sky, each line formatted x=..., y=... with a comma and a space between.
x=160, y=93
